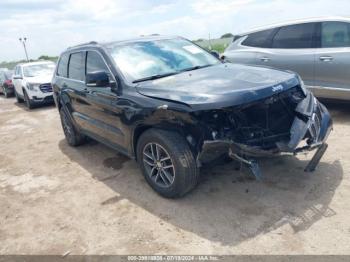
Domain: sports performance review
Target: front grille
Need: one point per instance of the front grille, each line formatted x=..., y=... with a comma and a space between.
x=46, y=88
x=315, y=126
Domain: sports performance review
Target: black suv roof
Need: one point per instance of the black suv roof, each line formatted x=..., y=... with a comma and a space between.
x=131, y=40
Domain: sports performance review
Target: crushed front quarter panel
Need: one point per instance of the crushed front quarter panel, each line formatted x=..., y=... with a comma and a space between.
x=312, y=124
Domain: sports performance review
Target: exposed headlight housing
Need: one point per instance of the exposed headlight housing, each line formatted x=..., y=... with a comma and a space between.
x=302, y=85
x=33, y=87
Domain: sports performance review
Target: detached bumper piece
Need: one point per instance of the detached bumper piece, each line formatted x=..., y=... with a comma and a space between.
x=316, y=158
x=251, y=164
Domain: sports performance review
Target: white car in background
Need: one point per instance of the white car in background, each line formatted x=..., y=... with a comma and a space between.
x=32, y=82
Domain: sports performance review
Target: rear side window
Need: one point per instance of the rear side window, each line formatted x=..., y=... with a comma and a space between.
x=258, y=39
x=76, y=68
x=94, y=62
x=294, y=36
x=335, y=34
x=62, y=69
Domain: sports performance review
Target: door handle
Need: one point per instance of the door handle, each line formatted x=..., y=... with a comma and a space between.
x=326, y=58
x=264, y=59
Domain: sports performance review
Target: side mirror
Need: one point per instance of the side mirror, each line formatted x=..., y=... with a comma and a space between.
x=97, y=79
x=215, y=53
x=17, y=77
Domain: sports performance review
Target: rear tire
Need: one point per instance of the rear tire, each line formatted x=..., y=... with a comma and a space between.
x=5, y=91
x=29, y=103
x=19, y=100
x=73, y=137
x=173, y=177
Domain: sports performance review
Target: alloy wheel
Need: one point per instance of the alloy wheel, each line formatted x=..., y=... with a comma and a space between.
x=158, y=164
x=67, y=129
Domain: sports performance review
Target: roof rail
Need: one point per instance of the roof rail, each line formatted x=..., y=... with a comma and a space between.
x=88, y=43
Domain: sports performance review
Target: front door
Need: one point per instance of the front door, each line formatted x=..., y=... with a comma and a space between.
x=103, y=103
x=292, y=48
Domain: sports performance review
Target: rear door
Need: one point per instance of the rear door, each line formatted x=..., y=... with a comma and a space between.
x=332, y=72
x=292, y=48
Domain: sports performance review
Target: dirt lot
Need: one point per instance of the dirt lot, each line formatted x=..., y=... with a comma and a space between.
x=90, y=200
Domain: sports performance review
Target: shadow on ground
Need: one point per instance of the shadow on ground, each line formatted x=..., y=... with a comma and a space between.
x=37, y=107
x=228, y=206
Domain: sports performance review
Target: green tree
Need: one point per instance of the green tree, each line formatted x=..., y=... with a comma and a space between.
x=227, y=35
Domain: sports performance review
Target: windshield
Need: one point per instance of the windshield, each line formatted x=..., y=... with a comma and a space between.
x=39, y=69
x=144, y=59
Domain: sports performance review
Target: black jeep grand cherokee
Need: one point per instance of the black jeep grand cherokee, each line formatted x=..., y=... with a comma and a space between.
x=172, y=106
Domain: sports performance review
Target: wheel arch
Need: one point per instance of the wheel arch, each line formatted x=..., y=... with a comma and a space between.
x=176, y=128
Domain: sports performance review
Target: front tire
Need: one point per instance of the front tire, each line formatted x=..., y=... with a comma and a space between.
x=19, y=100
x=167, y=163
x=73, y=137
x=29, y=102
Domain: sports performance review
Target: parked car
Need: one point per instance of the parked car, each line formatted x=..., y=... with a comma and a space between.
x=173, y=106
x=32, y=82
x=6, y=86
x=317, y=49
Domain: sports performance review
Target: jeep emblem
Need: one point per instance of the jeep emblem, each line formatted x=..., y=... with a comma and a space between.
x=277, y=88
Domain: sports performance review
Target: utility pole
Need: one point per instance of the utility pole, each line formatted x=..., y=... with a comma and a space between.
x=23, y=40
x=210, y=47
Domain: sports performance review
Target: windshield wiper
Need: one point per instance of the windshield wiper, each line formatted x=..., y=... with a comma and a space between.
x=169, y=74
x=194, y=68
x=154, y=77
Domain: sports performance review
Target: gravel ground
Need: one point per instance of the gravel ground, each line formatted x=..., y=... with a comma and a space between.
x=56, y=199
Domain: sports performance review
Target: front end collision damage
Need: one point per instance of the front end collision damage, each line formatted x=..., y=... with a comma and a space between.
x=287, y=123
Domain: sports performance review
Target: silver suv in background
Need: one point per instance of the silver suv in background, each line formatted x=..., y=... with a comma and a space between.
x=317, y=49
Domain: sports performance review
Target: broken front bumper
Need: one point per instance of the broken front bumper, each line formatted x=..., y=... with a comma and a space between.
x=311, y=126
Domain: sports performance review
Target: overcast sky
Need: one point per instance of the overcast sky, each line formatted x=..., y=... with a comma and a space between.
x=53, y=25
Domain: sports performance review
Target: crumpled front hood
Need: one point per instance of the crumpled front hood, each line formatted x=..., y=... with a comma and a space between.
x=219, y=86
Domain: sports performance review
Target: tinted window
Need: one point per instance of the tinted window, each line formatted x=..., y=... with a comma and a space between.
x=258, y=39
x=77, y=66
x=294, y=36
x=94, y=62
x=335, y=34
x=63, y=66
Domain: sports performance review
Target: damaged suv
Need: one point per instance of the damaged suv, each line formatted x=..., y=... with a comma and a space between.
x=173, y=106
